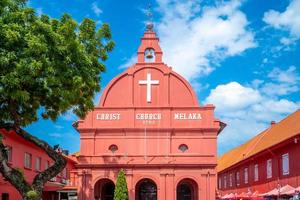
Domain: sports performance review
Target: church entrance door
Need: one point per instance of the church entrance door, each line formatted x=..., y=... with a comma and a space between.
x=146, y=189
x=187, y=190
x=104, y=190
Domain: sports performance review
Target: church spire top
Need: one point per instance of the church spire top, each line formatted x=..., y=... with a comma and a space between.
x=149, y=25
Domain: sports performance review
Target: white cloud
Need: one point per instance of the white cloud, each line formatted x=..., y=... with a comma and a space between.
x=288, y=20
x=233, y=96
x=279, y=88
x=283, y=82
x=246, y=110
x=132, y=60
x=96, y=9
x=287, y=76
x=201, y=37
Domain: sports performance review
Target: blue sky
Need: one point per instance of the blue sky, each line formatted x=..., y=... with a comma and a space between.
x=242, y=56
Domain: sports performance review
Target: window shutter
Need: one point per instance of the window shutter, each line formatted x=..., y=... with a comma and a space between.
x=269, y=168
x=285, y=164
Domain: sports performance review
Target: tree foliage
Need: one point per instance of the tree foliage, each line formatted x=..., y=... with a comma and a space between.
x=46, y=65
x=121, y=191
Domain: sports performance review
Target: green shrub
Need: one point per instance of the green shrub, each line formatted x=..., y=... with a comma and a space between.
x=121, y=191
x=32, y=195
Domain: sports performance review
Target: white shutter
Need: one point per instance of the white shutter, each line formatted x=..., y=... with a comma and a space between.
x=269, y=168
x=246, y=175
x=256, y=172
x=237, y=178
x=285, y=164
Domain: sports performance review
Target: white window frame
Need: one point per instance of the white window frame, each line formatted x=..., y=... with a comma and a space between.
x=269, y=168
x=246, y=175
x=28, y=160
x=285, y=164
x=47, y=164
x=256, y=172
x=237, y=178
x=38, y=163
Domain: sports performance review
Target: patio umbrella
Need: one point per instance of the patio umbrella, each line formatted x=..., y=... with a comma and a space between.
x=255, y=196
x=224, y=197
x=291, y=192
x=276, y=191
x=231, y=196
x=243, y=195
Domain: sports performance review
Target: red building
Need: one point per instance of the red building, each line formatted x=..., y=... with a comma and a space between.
x=31, y=159
x=269, y=160
x=149, y=123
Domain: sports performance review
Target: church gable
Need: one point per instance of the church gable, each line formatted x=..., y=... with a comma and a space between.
x=148, y=86
x=149, y=94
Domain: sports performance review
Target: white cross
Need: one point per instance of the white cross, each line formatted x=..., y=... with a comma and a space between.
x=149, y=82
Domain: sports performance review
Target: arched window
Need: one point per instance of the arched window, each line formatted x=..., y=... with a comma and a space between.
x=149, y=55
x=183, y=147
x=146, y=189
x=113, y=148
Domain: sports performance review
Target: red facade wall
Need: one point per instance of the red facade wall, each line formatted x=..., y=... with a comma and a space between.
x=19, y=147
x=149, y=148
x=264, y=184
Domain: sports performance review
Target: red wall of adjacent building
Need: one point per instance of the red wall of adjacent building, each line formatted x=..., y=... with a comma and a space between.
x=264, y=184
x=19, y=147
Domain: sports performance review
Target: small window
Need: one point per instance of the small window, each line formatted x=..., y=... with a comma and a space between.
x=9, y=153
x=225, y=182
x=256, y=172
x=183, y=147
x=285, y=164
x=28, y=160
x=47, y=164
x=38, y=163
x=237, y=178
x=269, y=168
x=113, y=148
x=230, y=180
x=220, y=182
x=246, y=175
x=5, y=196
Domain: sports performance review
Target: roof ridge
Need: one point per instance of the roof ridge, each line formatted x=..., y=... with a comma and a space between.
x=262, y=134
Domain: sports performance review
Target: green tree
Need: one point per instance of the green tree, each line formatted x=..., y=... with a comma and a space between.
x=121, y=191
x=47, y=66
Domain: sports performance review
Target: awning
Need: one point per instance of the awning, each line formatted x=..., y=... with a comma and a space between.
x=229, y=196
x=293, y=191
x=281, y=191
x=53, y=186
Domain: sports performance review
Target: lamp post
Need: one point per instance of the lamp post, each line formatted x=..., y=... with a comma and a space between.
x=278, y=187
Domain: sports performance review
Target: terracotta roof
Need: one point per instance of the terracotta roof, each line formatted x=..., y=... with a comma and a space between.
x=275, y=134
x=76, y=154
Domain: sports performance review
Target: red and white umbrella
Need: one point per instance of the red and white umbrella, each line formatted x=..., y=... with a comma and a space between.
x=276, y=191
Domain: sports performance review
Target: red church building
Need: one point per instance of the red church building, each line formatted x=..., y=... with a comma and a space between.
x=149, y=123
x=268, y=161
x=31, y=159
